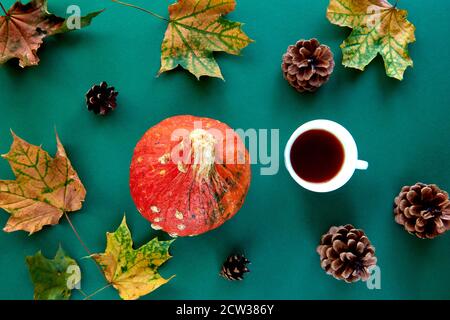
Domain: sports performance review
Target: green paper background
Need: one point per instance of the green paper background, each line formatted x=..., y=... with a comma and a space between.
x=401, y=128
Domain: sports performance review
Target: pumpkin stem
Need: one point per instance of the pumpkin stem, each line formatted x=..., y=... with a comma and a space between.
x=203, y=152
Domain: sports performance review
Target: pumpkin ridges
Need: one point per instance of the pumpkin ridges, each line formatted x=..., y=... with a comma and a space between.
x=213, y=218
x=242, y=186
x=179, y=179
x=184, y=208
x=216, y=207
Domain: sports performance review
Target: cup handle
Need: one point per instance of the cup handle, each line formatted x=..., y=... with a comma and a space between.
x=362, y=165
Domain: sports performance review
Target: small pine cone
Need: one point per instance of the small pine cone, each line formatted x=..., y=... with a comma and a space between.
x=101, y=99
x=307, y=65
x=346, y=253
x=423, y=210
x=235, y=267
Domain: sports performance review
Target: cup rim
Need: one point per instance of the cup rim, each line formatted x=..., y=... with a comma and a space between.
x=350, y=155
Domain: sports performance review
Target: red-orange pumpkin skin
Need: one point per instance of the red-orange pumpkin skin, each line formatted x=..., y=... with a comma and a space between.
x=189, y=197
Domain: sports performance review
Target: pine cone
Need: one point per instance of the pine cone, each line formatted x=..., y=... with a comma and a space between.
x=423, y=209
x=307, y=65
x=346, y=253
x=101, y=99
x=235, y=267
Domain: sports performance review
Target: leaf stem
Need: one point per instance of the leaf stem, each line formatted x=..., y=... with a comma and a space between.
x=140, y=8
x=82, y=242
x=82, y=292
x=77, y=234
x=3, y=8
x=97, y=291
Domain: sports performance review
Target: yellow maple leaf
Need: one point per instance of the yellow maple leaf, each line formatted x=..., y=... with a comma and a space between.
x=196, y=29
x=44, y=188
x=132, y=272
x=378, y=28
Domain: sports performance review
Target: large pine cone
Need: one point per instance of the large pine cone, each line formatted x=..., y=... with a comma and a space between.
x=307, y=65
x=423, y=209
x=346, y=253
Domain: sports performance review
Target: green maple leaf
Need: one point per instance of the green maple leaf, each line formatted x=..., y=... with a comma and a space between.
x=24, y=27
x=132, y=272
x=378, y=28
x=197, y=29
x=53, y=279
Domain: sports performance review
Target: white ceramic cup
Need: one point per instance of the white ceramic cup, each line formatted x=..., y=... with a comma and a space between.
x=351, y=161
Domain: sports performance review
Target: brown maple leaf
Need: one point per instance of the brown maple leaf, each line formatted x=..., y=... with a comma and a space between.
x=44, y=188
x=24, y=27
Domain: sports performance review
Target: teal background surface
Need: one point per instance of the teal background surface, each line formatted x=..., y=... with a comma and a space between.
x=402, y=130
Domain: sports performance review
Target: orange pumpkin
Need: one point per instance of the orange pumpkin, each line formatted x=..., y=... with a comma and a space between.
x=189, y=175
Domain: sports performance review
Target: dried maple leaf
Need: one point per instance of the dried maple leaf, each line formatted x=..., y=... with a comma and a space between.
x=24, y=27
x=197, y=29
x=378, y=27
x=44, y=188
x=53, y=279
x=132, y=272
